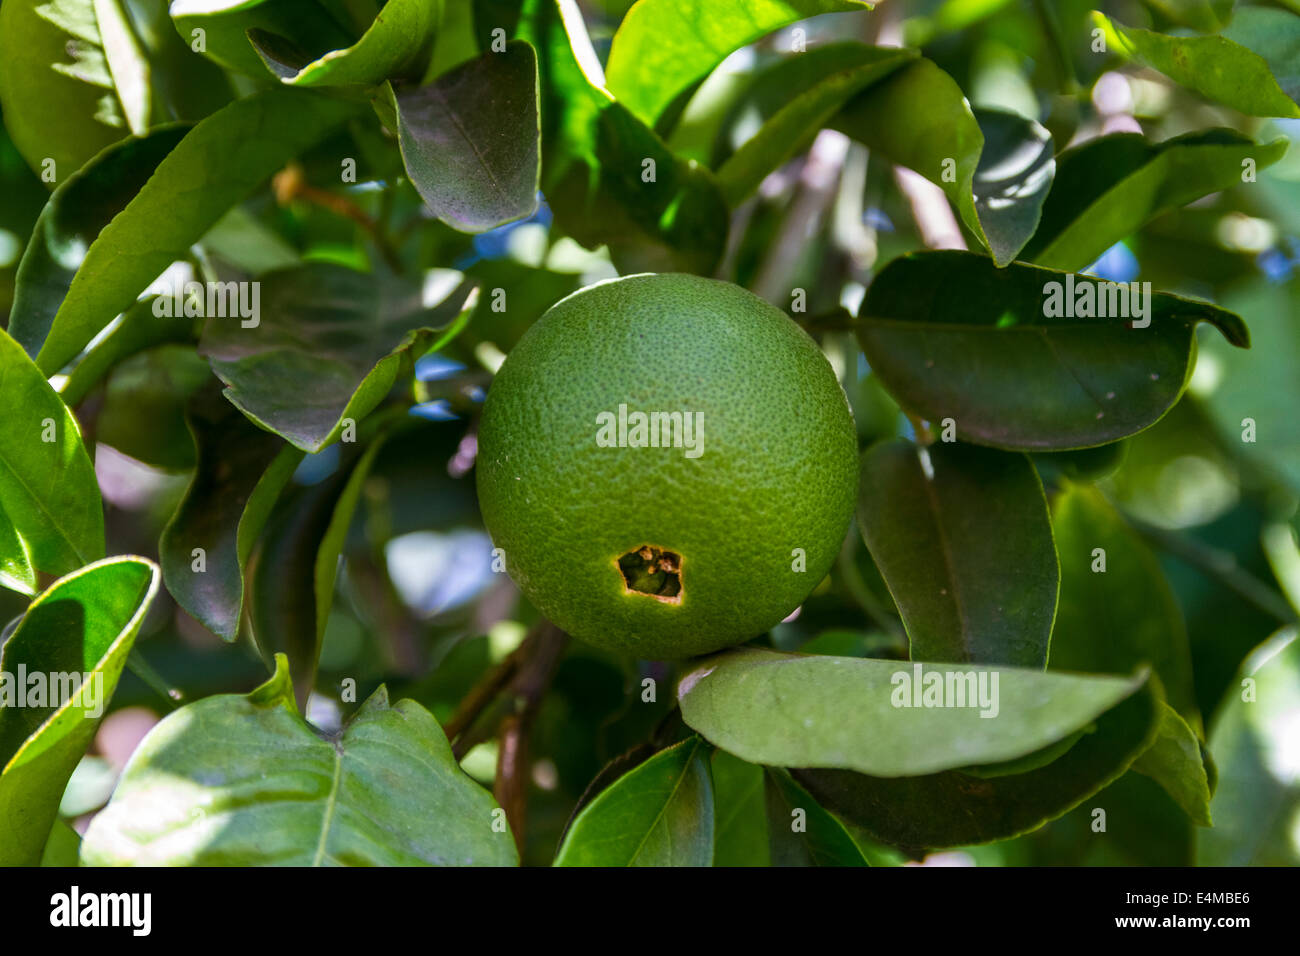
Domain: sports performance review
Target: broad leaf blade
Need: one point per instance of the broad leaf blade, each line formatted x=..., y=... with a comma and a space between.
x=240, y=472
x=48, y=489
x=659, y=814
x=791, y=710
x=1107, y=188
x=226, y=24
x=1174, y=761
x=962, y=537
x=245, y=781
x=802, y=832
x=85, y=624
x=470, y=139
x=1251, y=66
x=229, y=153
x=663, y=46
x=953, y=337
x=1012, y=180
x=330, y=344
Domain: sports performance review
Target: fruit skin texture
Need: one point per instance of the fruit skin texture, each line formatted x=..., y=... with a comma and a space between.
x=778, y=469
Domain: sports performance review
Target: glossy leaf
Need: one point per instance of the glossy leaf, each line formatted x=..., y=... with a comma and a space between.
x=240, y=473
x=83, y=624
x=1250, y=66
x=470, y=139
x=962, y=537
x=956, y=809
x=56, y=90
x=1174, y=761
x=1107, y=188
x=329, y=345
x=296, y=564
x=1011, y=181
x=664, y=46
x=229, y=153
x=48, y=489
x=816, y=83
x=740, y=812
x=792, y=710
x=143, y=411
x=226, y=23
x=1253, y=739
x=802, y=832
x=16, y=571
x=79, y=210
x=953, y=337
x=396, y=45
x=244, y=781
x=659, y=814
x=597, y=160
x=1117, y=611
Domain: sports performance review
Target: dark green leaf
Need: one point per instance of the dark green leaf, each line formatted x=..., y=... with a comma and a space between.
x=225, y=25
x=240, y=472
x=1105, y=189
x=792, y=710
x=802, y=833
x=816, y=85
x=48, y=489
x=84, y=624
x=470, y=139
x=143, y=414
x=962, y=538
x=1012, y=180
x=329, y=345
x=213, y=167
x=1251, y=66
x=740, y=814
x=1117, y=611
x=245, y=781
x=953, y=337
x=396, y=45
x=956, y=809
x=1174, y=761
x=663, y=46
x=660, y=814
x=55, y=86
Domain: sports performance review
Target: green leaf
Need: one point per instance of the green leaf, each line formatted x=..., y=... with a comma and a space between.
x=802, y=832
x=1012, y=180
x=659, y=814
x=815, y=84
x=962, y=538
x=471, y=139
x=128, y=65
x=1250, y=66
x=792, y=710
x=83, y=624
x=216, y=164
x=740, y=812
x=79, y=210
x=1253, y=739
x=56, y=90
x=296, y=563
x=957, y=809
x=329, y=345
x=597, y=158
x=48, y=489
x=226, y=23
x=16, y=571
x=1174, y=761
x=143, y=411
x=63, y=846
x=1207, y=16
x=1106, y=188
x=237, y=780
x=953, y=337
x=662, y=47
x=240, y=473
x=1117, y=611
x=396, y=45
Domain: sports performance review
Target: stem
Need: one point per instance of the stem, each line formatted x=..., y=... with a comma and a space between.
x=289, y=184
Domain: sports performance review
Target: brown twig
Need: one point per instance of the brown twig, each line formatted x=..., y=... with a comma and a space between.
x=289, y=184
x=478, y=699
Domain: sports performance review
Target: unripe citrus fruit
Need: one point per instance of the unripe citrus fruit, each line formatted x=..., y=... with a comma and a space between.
x=668, y=464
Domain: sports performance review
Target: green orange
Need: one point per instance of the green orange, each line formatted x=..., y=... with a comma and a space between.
x=704, y=542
